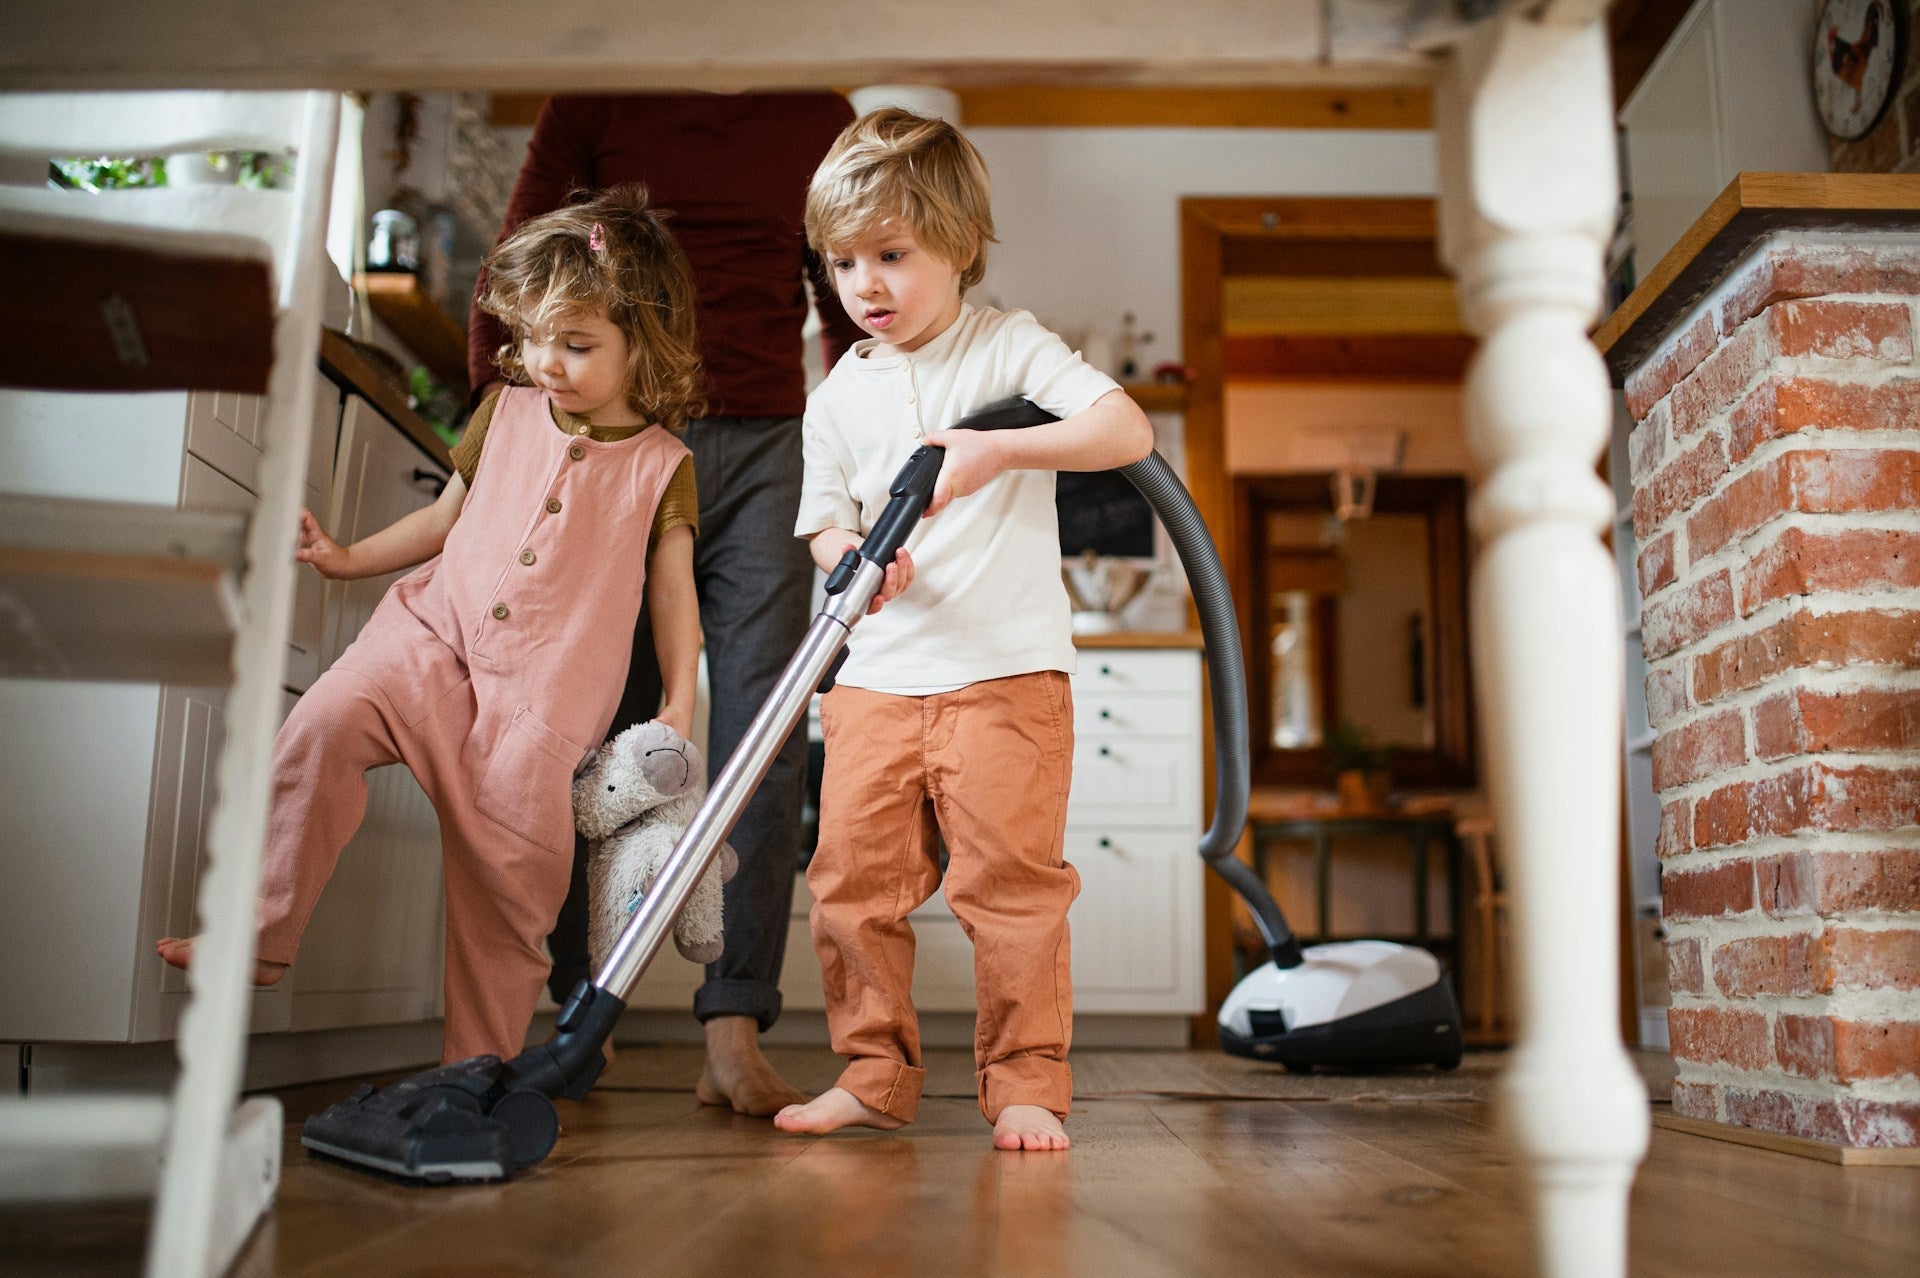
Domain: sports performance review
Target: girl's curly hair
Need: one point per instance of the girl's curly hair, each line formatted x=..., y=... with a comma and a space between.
x=550, y=266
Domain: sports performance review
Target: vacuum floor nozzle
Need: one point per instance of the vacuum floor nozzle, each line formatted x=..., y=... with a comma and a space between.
x=448, y=1124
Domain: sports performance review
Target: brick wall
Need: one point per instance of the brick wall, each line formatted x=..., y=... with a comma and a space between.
x=1892, y=145
x=1776, y=472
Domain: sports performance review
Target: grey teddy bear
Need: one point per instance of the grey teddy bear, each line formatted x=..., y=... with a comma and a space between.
x=635, y=796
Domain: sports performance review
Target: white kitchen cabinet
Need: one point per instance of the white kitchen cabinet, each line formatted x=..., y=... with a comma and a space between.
x=372, y=953
x=107, y=787
x=1133, y=829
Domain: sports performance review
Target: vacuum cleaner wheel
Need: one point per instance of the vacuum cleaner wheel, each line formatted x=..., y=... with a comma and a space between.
x=532, y=1123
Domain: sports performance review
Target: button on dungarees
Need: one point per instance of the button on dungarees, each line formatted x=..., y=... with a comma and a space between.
x=491, y=671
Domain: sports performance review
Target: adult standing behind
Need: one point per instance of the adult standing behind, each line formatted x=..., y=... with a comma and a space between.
x=732, y=171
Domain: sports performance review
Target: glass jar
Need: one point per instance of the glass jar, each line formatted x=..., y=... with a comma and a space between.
x=395, y=245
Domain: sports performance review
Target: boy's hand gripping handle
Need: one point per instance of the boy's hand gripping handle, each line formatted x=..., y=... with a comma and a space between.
x=912, y=488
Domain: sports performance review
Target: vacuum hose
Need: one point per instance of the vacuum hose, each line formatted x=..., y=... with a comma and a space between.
x=1227, y=684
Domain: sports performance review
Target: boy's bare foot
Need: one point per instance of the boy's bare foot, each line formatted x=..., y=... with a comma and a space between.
x=830, y=1111
x=1028, y=1127
x=737, y=1075
x=178, y=952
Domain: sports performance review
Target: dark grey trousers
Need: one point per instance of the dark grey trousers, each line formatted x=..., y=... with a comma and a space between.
x=755, y=581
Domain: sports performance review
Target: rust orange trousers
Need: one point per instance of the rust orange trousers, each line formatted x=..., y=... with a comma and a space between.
x=987, y=766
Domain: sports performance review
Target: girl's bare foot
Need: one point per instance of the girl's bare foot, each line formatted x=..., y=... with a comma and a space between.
x=178, y=952
x=1027, y=1127
x=830, y=1111
x=737, y=1075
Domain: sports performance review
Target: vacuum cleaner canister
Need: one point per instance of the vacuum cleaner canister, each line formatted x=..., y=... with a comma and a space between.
x=1351, y=1005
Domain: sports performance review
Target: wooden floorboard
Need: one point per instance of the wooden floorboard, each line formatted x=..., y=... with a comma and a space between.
x=1259, y=1180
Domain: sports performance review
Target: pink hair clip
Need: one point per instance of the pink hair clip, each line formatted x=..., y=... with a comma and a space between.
x=597, y=238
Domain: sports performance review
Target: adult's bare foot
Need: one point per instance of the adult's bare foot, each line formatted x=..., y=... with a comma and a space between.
x=178, y=952
x=738, y=1075
x=1028, y=1127
x=830, y=1111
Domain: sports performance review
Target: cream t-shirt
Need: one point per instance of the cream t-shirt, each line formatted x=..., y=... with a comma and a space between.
x=986, y=600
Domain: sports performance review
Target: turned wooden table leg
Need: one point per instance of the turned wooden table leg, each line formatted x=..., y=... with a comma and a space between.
x=1528, y=196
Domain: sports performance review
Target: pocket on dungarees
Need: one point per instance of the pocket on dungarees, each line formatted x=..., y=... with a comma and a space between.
x=528, y=786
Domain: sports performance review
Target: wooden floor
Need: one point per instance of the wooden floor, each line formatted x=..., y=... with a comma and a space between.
x=646, y=1180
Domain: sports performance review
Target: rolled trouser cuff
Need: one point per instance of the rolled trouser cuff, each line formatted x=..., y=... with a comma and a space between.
x=890, y=1086
x=724, y=997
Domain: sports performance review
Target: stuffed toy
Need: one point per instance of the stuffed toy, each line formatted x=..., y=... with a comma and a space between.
x=636, y=795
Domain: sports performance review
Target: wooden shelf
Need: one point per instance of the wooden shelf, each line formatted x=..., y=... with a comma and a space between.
x=1158, y=397
x=419, y=321
x=1752, y=206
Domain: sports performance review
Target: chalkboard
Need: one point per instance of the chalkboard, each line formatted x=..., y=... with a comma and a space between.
x=1102, y=512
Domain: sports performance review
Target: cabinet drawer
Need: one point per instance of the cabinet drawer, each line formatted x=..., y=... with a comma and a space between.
x=1135, y=781
x=204, y=488
x=1137, y=670
x=223, y=430
x=1124, y=714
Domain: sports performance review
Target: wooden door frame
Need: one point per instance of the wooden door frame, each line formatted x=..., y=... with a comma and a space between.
x=1206, y=224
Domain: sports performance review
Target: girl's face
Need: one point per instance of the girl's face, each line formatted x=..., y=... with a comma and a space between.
x=582, y=363
x=896, y=288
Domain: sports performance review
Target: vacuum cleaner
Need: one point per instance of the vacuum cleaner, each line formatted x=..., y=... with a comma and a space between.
x=1366, y=1003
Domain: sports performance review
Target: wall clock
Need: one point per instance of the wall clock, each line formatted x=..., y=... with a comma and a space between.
x=1858, y=51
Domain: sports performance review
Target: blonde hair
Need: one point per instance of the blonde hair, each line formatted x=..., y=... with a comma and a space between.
x=892, y=163
x=607, y=251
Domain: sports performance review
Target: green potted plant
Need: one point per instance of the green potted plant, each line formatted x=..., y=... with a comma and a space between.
x=1361, y=767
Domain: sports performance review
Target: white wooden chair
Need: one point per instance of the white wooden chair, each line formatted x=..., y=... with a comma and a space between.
x=197, y=288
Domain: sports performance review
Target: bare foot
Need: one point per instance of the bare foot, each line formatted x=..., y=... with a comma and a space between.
x=1028, y=1127
x=178, y=952
x=830, y=1111
x=737, y=1075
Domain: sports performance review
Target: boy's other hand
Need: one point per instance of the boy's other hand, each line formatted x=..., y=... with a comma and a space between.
x=328, y=557
x=972, y=462
x=899, y=577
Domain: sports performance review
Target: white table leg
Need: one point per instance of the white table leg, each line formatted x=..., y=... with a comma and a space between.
x=1528, y=196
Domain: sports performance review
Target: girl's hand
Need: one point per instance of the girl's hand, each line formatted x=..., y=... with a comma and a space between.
x=328, y=557
x=899, y=577
x=972, y=462
x=679, y=718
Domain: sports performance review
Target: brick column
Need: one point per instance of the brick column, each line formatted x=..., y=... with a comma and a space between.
x=1776, y=473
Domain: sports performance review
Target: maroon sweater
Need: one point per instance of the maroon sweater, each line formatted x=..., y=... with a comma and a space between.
x=733, y=170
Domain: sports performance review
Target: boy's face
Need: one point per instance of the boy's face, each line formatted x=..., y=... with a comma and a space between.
x=582, y=363
x=895, y=287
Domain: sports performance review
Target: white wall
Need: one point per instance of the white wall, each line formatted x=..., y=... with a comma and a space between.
x=1730, y=92
x=1089, y=219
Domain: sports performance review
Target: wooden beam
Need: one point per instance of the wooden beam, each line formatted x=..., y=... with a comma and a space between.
x=1057, y=106
x=1063, y=106
x=1364, y=359
x=1340, y=305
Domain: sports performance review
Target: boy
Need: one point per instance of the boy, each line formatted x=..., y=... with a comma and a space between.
x=953, y=709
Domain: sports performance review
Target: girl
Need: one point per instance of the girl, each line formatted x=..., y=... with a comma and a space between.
x=494, y=669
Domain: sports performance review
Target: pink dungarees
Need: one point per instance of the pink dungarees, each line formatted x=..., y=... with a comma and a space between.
x=491, y=672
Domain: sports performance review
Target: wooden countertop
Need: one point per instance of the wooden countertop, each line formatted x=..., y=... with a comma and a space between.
x=352, y=370
x=1753, y=206
x=1141, y=639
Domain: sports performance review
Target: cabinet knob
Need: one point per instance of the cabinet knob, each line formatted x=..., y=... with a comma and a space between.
x=1106, y=714
x=1105, y=842
x=428, y=481
x=1106, y=670
x=1104, y=752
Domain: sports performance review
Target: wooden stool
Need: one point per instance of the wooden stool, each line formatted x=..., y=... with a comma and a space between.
x=1490, y=912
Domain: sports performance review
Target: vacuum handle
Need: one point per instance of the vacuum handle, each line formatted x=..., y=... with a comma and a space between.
x=912, y=488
